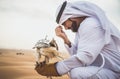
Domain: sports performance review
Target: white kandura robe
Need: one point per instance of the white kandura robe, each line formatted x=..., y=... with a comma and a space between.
x=85, y=60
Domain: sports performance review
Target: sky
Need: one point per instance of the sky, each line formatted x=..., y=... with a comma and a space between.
x=24, y=22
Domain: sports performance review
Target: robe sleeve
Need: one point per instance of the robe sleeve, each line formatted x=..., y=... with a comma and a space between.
x=71, y=49
x=91, y=42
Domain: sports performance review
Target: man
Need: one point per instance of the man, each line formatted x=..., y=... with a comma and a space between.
x=95, y=52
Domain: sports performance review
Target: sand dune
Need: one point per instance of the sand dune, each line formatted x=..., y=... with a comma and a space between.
x=20, y=66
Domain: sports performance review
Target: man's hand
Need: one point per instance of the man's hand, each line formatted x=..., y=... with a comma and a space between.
x=60, y=33
x=47, y=69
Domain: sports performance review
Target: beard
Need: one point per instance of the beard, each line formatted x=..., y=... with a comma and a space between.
x=74, y=26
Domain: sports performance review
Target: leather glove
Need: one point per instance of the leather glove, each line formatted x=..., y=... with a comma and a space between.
x=47, y=69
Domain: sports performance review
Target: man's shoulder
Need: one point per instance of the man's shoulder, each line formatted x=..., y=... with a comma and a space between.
x=90, y=22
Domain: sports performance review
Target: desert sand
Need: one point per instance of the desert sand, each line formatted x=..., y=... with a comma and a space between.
x=19, y=64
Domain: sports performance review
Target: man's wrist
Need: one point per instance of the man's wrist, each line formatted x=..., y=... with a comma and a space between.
x=68, y=43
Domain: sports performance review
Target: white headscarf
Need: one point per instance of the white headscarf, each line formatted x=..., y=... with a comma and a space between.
x=83, y=8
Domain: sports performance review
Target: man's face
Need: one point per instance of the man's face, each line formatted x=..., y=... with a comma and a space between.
x=70, y=25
